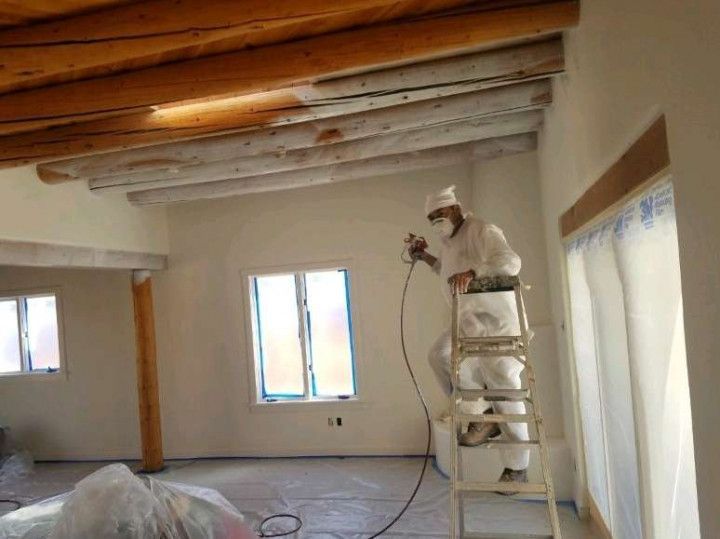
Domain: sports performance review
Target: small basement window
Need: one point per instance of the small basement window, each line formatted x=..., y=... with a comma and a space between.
x=302, y=335
x=29, y=336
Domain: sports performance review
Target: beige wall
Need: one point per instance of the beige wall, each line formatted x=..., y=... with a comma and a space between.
x=91, y=410
x=203, y=348
x=627, y=62
x=204, y=360
x=203, y=353
x=69, y=214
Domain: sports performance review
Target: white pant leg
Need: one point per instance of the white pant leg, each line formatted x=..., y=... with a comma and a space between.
x=504, y=373
x=440, y=357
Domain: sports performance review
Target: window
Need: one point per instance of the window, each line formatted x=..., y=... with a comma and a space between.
x=302, y=335
x=29, y=339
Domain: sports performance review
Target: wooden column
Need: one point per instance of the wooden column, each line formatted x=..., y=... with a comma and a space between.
x=147, y=378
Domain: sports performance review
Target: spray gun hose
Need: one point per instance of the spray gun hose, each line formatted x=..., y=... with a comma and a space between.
x=426, y=409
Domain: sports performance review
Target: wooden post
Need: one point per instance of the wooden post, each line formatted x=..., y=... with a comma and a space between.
x=147, y=378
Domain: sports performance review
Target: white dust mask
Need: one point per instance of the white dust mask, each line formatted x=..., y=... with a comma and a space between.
x=443, y=227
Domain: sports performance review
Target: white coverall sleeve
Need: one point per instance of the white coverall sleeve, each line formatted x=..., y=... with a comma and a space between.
x=495, y=256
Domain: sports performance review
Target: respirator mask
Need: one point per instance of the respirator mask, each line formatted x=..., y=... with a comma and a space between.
x=443, y=227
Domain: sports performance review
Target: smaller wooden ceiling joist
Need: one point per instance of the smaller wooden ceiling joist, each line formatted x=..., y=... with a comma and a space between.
x=274, y=66
x=401, y=141
x=375, y=166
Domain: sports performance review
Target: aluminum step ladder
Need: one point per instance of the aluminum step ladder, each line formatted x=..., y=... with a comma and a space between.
x=477, y=349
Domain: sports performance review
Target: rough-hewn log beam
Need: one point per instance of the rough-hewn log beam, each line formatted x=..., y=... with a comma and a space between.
x=364, y=168
x=146, y=33
x=147, y=377
x=17, y=12
x=52, y=255
x=401, y=142
x=282, y=107
x=385, y=121
x=275, y=66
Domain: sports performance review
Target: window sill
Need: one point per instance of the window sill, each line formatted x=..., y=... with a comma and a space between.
x=294, y=406
x=37, y=375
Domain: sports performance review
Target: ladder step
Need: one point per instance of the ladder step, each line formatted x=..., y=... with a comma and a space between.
x=502, y=535
x=498, y=352
x=511, y=344
x=499, y=418
x=496, y=394
x=495, y=340
x=466, y=487
x=505, y=444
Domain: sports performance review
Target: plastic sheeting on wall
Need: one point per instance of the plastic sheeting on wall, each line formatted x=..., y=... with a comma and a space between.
x=628, y=339
x=588, y=384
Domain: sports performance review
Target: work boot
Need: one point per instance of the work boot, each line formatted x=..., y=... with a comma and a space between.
x=512, y=476
x=479, y=433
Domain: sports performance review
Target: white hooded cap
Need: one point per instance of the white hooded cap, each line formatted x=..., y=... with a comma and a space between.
x=441, y=199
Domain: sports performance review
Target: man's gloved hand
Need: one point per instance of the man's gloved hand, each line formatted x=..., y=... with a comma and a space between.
x=460, y=281
x=416, y=251
x=416, y=247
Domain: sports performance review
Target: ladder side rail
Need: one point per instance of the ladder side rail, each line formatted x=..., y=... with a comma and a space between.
x=454, y=423
x=542, y=447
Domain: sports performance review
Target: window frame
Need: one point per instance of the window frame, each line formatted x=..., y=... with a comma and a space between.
x=18, y=295
x=257, y=401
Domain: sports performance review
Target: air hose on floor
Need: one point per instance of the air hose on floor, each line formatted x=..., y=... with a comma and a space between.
x=426, y=409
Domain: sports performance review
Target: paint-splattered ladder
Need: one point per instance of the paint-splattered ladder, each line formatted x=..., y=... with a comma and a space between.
x=477, y=349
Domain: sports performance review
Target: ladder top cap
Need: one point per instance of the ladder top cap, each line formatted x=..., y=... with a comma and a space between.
x=498, y=283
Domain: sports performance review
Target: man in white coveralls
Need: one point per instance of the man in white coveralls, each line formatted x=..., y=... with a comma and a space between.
x=470, y=248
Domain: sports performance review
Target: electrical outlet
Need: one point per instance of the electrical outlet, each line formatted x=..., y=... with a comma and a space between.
x=338, y=421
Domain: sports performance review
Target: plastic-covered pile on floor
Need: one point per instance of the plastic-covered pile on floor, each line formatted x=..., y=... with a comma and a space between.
x=115, y=504
x=13, y=461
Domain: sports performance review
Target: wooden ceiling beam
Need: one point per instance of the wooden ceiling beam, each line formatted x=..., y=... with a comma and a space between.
x=147, y=33
x=18, y=12
x=364, y=168
x=275, y=66
x=181, y=158
x=444, y=134
x=283, y=107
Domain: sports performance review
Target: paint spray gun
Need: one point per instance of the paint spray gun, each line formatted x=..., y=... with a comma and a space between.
x=413, y=243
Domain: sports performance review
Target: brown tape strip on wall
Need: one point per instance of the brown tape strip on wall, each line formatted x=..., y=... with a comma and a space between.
x=647, y=156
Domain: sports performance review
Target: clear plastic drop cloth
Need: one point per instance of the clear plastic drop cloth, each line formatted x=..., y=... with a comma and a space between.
x=336, y=498
x=16, y=464
x=113, y=503
x=351, y=498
